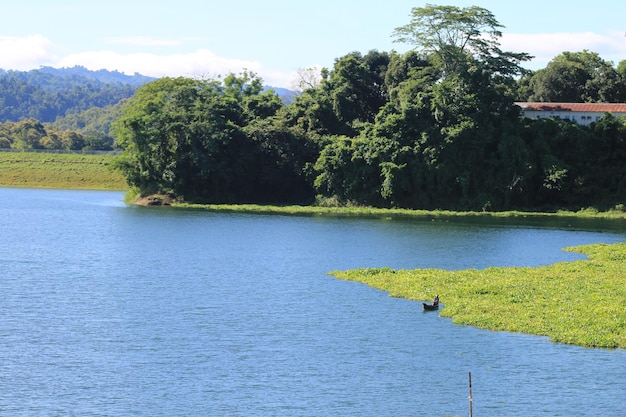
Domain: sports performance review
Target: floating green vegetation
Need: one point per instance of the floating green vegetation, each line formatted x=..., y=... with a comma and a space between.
x=581, y=302
x=386, y=213
x=59, y=170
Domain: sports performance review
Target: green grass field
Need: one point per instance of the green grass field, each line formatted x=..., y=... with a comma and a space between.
x=580, y=302
x=57, y=170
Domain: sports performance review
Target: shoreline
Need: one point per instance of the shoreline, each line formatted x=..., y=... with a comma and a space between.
x=394, y=213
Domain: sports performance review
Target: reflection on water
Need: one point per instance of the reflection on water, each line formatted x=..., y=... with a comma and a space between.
x=108, y=309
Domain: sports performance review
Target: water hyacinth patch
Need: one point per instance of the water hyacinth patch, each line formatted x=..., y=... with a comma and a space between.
x=581, y=302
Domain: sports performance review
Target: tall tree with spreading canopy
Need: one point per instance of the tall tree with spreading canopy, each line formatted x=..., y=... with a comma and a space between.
x=453, y=110
x=451, y=34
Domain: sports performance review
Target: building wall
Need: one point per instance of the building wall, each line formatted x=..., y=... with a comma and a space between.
x=582, y=118
x=581, y=113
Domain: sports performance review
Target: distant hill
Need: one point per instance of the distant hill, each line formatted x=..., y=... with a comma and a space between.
x=286, y=95
x=102, y=75
x=47, y=93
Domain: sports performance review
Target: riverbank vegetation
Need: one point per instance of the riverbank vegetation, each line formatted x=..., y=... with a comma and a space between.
x=434, y=128
x=564, y=216
x=581, y=302
x=59, y=170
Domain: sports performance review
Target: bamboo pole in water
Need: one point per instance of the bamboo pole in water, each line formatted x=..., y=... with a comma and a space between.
x=470, y=393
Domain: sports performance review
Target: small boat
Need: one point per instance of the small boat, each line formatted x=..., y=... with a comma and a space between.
x=431, y=307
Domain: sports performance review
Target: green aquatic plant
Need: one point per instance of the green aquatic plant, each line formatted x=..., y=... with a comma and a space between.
x=400, y=214
x=581, y=302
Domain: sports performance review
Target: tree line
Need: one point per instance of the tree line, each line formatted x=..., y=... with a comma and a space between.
x=435, y=127
x=32, y=134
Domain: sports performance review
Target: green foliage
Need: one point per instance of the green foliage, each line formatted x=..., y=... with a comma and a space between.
x=581, y=302
x=574, y=77
x=433, y=128
x=211, y=141
x=93, y=126
x=358, y=86
x=451, y=34
x=45, y=95
x=335, y=208
x=447, y=133
x=348, y=170
x=32, y=134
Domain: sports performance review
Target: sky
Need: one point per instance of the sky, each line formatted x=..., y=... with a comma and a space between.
x=274, y=38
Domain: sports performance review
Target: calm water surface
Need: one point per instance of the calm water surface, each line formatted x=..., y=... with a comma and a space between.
x=113, y=310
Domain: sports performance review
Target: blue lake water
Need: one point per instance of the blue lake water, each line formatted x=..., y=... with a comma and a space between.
x=114, y=310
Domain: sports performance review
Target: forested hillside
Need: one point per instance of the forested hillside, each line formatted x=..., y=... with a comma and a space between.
x=52, y=104
x=102, y=76
x=48, y=93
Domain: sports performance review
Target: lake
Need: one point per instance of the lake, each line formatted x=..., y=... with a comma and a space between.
x=108, y=309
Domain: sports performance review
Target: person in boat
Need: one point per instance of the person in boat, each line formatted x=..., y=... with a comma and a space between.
x=436, y=300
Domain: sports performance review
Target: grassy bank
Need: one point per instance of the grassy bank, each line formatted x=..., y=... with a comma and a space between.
x=52, y=170
x=581, y=302
x=391, y=214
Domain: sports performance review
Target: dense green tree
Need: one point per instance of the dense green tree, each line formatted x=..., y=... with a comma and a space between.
x=606, y=85
x=313, y=112
x=72, y=140
x=621, y=69
x=171, y=132
x=93, y=125
x=27, y=134
x=5, y=135
x=409, y=74
x=280, y=164
x=434, y=143
x=206, y=141
x=603, y=165
x=575, y=77
x=358, y=86
x=31, y=134
x=348, y=95
x=348, y=171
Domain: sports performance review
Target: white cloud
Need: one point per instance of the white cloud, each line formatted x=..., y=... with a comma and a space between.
x=545, y=46
x=142, y=41
x=200, y=63
x=25, y=53
x=31, y=52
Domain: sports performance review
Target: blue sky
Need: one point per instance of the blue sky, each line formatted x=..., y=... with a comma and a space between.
x=274, y=38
